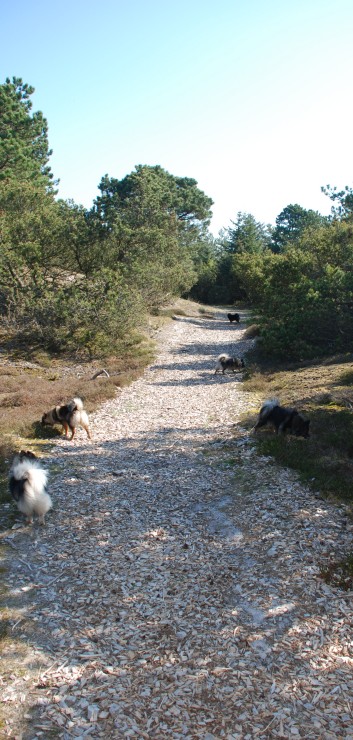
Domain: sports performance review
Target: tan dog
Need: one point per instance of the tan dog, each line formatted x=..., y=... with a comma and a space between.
x=70, y=416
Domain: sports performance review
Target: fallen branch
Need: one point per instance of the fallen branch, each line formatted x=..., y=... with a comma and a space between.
x=100, y=372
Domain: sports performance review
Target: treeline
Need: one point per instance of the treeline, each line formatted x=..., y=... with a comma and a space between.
x=82, y=279
x=78, y=279
x=298, y=276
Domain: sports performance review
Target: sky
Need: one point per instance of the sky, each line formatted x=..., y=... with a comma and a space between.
x=251, y=98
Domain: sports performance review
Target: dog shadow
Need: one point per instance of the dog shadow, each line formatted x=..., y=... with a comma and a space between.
x=209, y=378
x=214, y=324
x=41, y=432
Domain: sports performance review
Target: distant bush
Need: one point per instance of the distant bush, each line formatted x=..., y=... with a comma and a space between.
x=304, y=296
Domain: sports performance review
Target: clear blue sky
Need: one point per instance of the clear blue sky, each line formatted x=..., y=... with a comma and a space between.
x=252, y=98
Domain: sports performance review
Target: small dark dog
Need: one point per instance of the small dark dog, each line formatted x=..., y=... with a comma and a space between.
x=225, y=362
x=283, y=419
x=233, y=317
x=27, y=483
x=70, y=416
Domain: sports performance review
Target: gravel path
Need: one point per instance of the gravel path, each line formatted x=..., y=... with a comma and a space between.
x=175, y=590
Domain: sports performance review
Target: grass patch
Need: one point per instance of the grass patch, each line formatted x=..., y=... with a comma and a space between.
x=325, y=460
x=28, y=389
x=321, y=393
x=185, y=307
x=346, y=378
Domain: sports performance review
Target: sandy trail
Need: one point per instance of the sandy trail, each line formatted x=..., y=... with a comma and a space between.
x=175, y=591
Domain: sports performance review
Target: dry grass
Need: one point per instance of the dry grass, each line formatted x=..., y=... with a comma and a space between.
x=330, y=380
x=26, y=392
x=184, y=307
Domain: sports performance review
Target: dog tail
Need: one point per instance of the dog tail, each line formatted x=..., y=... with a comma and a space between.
x=31, y=471
x=267, y=407
x=223, y=357
x=78, y=404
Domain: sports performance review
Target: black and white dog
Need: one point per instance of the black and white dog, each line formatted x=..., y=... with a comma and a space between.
x=70, y=416
x=283, y=419
x=27, y=483
x=225, y=362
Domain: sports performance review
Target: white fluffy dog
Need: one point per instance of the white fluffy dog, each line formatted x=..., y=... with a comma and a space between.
x=27, y=483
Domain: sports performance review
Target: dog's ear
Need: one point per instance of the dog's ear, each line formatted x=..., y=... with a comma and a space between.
x=27, y=454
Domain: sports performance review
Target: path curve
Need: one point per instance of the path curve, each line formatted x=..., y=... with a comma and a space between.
x=175, y=590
